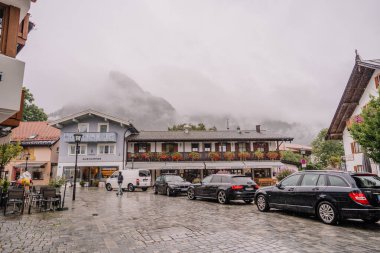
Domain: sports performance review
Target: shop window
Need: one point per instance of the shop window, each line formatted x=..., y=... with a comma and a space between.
x=242, y=147
x=106, y=149
x=82, y=149
x=207, y=147
x=194, y=147
x=37, y=175
x=107, y=172
x=377, y=81
x=103, y=127
x=83, y=127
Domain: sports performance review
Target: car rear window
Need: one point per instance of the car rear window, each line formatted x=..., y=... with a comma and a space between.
x=337, y=181
x=242, y=181
x=144, y=173
x=309, y=180
x=367, y=181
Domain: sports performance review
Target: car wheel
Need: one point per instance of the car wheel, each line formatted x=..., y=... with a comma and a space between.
x=108, y=187
x=155, y=189
x=371, y=220
x=131, y=188
x=248, y=201
x=262, y=203
x=222, y=197
x=144, y=189
x=327, y=213
x=191, y=194
x=168, y=193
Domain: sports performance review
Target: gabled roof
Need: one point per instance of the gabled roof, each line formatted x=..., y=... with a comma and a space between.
x=35, y=133
x=357, y=83
x=73, y=117
x=243, y=135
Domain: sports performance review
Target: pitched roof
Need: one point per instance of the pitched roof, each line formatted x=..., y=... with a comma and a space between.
x=360, y=76
x=243, y=135
x=35, y=133
x=87, y=113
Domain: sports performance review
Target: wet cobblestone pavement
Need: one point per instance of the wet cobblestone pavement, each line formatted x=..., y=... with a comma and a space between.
x=143, y=222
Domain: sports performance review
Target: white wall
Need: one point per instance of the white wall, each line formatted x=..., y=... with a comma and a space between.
x=357, y=159
x=10, y=86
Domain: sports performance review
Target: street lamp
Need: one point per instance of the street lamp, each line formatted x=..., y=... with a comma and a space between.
x=27, y=156
x=77, y=138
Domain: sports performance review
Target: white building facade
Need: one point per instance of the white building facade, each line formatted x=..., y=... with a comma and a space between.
x=363, y=83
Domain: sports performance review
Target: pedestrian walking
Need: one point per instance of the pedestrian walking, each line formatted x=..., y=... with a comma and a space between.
x=120, y=179
x=71, y=181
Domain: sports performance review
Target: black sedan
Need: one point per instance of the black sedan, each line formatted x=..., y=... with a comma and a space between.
x=224, y=187
x=330, y=195
x=170, y=185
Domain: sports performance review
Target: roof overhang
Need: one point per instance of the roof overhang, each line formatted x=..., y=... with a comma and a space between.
x=360, y=76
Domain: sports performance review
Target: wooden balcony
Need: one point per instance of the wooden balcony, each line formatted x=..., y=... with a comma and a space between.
x=202, y=156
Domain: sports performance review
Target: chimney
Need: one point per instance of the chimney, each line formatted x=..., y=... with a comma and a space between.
x=187, y=128
x=238, y=129
x=258, y=129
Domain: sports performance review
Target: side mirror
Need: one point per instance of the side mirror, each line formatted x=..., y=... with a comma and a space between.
x=278, y=185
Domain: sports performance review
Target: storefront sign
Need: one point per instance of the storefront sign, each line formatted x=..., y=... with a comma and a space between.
x=92, y=159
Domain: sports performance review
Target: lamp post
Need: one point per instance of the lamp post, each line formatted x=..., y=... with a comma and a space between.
x=77, y=138
x=27, y=156
x=303, y=162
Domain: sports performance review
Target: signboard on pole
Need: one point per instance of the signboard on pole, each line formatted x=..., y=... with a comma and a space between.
x=303, y=163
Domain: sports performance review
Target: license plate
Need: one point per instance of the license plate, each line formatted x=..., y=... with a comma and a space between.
x=145, y=179
x=249, y=188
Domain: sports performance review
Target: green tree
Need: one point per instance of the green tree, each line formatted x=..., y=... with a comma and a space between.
x=291, y=156
x=199, y=127
x=31, y=111
x=8, y=151
x=324, y=150
x=366, y=129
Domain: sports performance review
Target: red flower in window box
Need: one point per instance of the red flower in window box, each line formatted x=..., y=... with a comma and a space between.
x=273, y=155
x=243, y=155
x=229, y=156
x=194, y=156
x=163, y=156
x=177, y=156
x=214, y=156
x=146, y=156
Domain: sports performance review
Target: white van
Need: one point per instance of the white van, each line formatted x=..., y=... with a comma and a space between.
x=133, y=178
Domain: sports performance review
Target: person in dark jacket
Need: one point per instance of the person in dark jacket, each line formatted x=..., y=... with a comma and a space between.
x=120, y=179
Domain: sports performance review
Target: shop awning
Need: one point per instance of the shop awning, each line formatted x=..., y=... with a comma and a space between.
x=30, y=165
x=225, y=165
x=263, y=164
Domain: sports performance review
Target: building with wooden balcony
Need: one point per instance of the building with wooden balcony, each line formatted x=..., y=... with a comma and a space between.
x=14, y=29
x=363, y=83
x=196, y=154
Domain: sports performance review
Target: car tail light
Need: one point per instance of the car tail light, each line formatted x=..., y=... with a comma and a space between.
x=256, y=186
x=237, y=187
x=359, y=197
x=137, y=181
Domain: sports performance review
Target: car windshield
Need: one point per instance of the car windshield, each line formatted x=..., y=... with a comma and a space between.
x=174, y=179
x=367, y=181
x=242, y=181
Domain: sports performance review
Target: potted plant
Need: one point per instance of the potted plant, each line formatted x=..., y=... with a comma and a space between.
x=194, y=156
x=95, y=183
x=57, y=182
x=177, y=156
x=259, y=154
x=272, y=155
x=82, y=183
x=214, y=156
x=243, y=155
x=229, y=156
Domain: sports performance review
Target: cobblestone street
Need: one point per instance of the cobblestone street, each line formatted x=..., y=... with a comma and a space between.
x=143, y=222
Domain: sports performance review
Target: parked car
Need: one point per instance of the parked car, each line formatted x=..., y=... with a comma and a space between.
x=330, y=195
x=170, y=185
x=133, y=178
x=224, y=187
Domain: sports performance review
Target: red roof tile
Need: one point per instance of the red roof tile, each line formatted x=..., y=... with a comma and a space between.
x=41, y=129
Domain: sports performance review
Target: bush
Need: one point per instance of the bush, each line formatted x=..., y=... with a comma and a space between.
x=4, y=183
x=57, y=182
x=283, y=174
x=82, y=183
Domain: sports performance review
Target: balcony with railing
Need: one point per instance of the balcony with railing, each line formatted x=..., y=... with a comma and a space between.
x=203, y=156
x=92, y=137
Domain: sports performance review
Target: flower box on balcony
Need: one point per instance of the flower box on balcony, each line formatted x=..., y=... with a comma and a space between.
x=229, y=156
x=243, y=155
x=214, y=156
x=177, y=156
x=259, y=154
x=163, y=156
x=146, y=156
x=194, y=156
x=273, y=155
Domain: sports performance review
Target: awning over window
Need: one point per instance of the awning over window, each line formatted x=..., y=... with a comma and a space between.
x=263, y=164
x=224, y=165
x=30, y=165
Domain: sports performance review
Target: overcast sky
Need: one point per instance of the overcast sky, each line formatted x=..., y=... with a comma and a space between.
x=283, y=64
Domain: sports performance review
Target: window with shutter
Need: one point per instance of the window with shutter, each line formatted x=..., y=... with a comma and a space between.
x=352, y=148
x=377, y=81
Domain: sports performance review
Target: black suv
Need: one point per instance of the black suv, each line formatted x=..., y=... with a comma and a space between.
x=331, y=195
x=224, y=187
x=170, y=185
